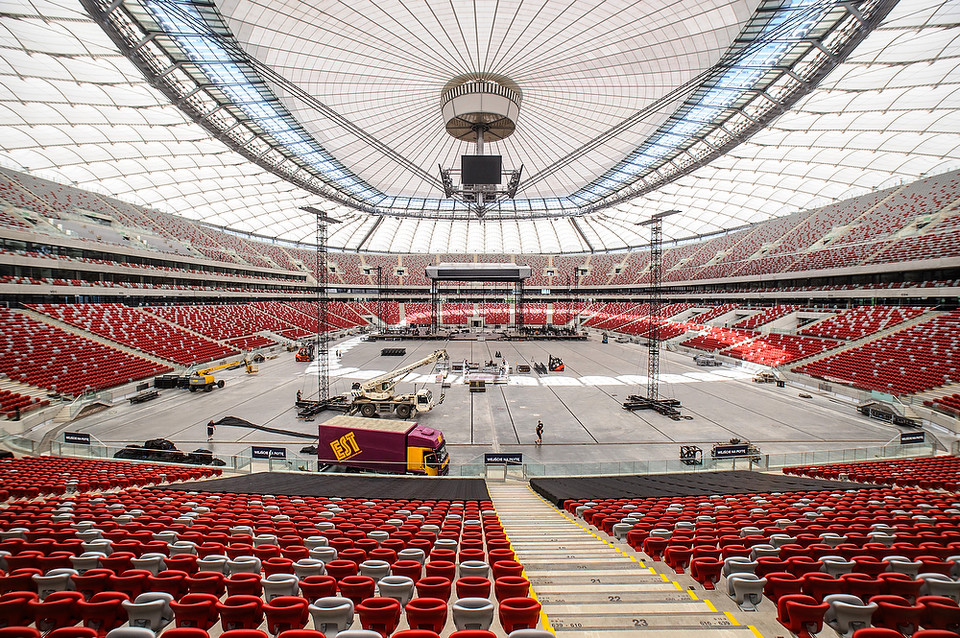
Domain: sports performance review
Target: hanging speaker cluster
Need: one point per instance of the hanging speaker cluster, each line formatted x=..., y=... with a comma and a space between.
x=488, y=103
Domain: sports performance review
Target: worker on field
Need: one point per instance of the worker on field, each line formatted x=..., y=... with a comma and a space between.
x=211, y=428
x=539, y=432
x=299, y=395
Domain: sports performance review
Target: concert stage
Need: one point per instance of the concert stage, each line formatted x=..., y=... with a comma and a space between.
x=469, y=335
x=412, y=335
x=545, y=336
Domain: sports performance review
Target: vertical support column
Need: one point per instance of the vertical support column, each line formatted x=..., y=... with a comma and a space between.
x=381, y=293
x=434, y=307
x=323, y=298
x=656, y=299
x=518, y=310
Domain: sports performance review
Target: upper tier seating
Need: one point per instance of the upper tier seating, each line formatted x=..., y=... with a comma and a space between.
x=11, y=220
x=414, y=269
x=923, y=197
x=778, y=349
x=633, y=268
x=923, y=356
x=139, y=330
x=823, y=222
x=859, y=322
x=566, y=267
x=929, y=246
x=937, y=472
x=538, y=268
x=712, y=250
x=838, y=256
x=32, y=476
x=902, y=223
x=42, y=355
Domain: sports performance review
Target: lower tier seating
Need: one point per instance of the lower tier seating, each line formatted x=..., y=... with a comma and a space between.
x=13, y=404
x=938, y=472
x=779, y=349
x=215, y=562
x=886, y=558
x=32, y=476
x=923, y=356
x=950, y=403
x=42, y=355
x=139, y=330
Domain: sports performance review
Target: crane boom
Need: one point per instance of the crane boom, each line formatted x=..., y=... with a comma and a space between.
x=381, y=387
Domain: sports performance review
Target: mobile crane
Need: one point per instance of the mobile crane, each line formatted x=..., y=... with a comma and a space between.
x=375, y=396
x=204, y=379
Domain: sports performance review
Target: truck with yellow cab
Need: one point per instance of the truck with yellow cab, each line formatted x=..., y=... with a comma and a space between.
x=382, y=445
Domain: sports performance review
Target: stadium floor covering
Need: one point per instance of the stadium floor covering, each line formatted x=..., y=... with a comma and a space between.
x=383, y=487
x=558, y=490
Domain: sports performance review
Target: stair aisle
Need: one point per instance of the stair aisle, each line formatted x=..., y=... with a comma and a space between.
x=588, y=587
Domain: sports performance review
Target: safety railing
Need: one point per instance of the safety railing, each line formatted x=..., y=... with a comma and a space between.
x=247, y=462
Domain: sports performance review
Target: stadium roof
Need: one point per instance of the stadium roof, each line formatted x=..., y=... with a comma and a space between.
x=732, y=111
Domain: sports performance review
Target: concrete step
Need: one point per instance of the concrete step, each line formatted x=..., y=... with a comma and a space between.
x=574, y=592
x=591, y=619
x=616, y=597
x=589, y=586
x=608, y=577
x=661, y=632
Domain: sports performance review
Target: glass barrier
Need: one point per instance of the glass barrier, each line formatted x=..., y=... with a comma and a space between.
x=475, y=468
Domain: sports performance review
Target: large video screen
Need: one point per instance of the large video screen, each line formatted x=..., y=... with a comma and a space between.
x=480, y=169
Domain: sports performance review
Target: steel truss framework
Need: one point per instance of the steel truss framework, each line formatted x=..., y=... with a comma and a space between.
x=719, y=109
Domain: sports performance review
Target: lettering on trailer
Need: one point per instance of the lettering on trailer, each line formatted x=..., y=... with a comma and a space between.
x=76, y=437
x=503, y=459
x=345, y=447
x=723, y=451
x=907, y=438
x=263, y=452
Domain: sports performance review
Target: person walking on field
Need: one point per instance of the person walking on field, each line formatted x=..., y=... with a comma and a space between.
x=539, y=432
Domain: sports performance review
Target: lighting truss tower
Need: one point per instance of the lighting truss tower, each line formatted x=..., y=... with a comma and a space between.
x=519, y=307
x=656, y=300
x=652, y=401
x=323, y=300
x=381, y=296
x=434, y=307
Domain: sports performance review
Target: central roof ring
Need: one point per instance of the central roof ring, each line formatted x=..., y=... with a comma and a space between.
x=484, y=102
